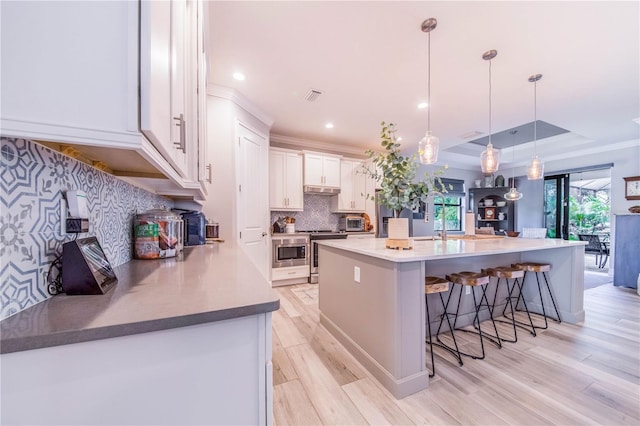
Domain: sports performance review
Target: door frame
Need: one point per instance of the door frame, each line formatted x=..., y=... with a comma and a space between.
x=562, y=204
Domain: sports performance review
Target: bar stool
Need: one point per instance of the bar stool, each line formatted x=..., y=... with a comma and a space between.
x=438, y=285
x=472, y=279
x=539, y=268
x=507, y=273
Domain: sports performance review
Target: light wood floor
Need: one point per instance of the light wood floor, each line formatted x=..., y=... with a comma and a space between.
x=567, y=375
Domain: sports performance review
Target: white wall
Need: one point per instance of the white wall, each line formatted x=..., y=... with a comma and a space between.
x=225, y=108
x=221, y=201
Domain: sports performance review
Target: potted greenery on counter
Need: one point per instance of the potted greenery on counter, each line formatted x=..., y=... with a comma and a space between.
x=400, y=189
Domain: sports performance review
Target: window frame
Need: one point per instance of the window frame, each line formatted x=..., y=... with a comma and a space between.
x=437, y=206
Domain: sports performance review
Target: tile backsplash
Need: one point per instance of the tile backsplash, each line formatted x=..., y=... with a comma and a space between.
x=316, y=215
x=33, y=179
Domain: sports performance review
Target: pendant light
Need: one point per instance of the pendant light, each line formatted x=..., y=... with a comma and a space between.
x=428, y=146
x=490, y=157
x=513, y=194
x=535, y=170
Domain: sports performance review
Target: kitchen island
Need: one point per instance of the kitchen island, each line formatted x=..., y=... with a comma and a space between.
x=184, y=340
x=372, y=298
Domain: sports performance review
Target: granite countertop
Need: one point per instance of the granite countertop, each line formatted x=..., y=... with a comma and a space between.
x=452, y=248
x=205, y=284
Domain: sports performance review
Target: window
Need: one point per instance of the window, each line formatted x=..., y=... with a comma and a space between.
x=453, y=210
x=453, y=202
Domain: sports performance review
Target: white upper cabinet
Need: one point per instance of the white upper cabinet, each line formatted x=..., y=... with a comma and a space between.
x=352, y=189
x=70, y=72
x=110, y=74
x=285, y=180
x=321, y=170
x=162, y=79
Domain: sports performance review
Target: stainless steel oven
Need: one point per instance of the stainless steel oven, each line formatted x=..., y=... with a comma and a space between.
x=290, y=250
x=315, y=236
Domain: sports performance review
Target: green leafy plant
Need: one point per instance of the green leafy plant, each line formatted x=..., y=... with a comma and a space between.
x=397, y=175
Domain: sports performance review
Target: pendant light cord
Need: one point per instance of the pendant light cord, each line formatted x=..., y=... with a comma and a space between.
x=535, y=118
x=513, y=169
x=429, y=85
x=489, y=100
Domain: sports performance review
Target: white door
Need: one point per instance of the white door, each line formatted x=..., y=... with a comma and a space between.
x=253, y=187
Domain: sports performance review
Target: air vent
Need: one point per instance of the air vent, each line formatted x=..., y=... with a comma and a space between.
x=471, y=134
x=312, y=95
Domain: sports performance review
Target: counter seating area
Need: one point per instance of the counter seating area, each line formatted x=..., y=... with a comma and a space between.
x=368, y=299
x=517, y=272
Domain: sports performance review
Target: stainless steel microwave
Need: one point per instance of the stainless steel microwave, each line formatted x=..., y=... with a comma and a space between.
x=290, y=251
x=352, y=223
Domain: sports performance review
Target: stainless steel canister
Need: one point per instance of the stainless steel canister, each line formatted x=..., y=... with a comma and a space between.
x=212, y=230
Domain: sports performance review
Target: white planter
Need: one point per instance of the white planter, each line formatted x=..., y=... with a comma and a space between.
x=399, y=228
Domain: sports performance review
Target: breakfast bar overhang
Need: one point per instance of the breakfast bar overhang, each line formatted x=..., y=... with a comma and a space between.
x=372, y=299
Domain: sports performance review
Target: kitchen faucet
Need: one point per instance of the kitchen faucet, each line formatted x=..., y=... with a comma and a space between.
x=443, y=234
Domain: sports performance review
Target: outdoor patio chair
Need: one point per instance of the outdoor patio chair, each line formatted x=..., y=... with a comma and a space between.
x=597, y=247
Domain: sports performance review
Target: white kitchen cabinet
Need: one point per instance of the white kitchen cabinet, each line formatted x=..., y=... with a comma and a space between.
x=212, y=373
x=163, y=118
x=283, y=276
x=352, y=188
x=321, y=170
x=71, y=73
x=285, y=180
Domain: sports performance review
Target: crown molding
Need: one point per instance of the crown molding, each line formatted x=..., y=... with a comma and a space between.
x=289, y=142
x=240, y=100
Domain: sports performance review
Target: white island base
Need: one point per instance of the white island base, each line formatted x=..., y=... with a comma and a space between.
x=380, y=315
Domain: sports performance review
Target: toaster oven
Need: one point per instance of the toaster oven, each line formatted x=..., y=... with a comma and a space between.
x=352, y=223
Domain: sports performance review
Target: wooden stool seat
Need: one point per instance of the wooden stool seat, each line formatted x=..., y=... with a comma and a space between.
x=532, y=266
x=435, y=285
x=469, y=278
x=504, y=272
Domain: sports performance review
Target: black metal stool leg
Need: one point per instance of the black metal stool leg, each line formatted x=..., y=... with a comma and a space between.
x=493, y=338
x=514, y=308
x=455, y=352
x=433, y=364
x=508, y=299
x=553, y=301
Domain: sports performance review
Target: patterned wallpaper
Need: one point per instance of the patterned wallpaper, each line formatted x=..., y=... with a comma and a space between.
x=316, y=215
x=33, y=179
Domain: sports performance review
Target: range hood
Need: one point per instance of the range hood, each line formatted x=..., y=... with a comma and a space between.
x=320, y=190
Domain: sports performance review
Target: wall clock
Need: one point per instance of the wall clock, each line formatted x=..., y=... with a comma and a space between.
x=632, y=188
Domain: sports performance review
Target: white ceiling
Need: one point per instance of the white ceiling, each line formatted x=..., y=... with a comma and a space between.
x=369, y=59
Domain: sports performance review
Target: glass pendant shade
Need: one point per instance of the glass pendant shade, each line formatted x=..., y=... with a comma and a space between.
x=428, y=148
x=535, y=170
x=490, y=159
x=513, y=195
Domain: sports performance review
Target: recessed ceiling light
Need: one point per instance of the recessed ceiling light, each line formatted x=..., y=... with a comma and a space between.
x=637, y=120
x=329, y=125
x=423, y=105
x=399, y=138
x=239, y=76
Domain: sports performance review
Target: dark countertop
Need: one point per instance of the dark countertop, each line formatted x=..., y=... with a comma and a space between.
x=205, y=284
